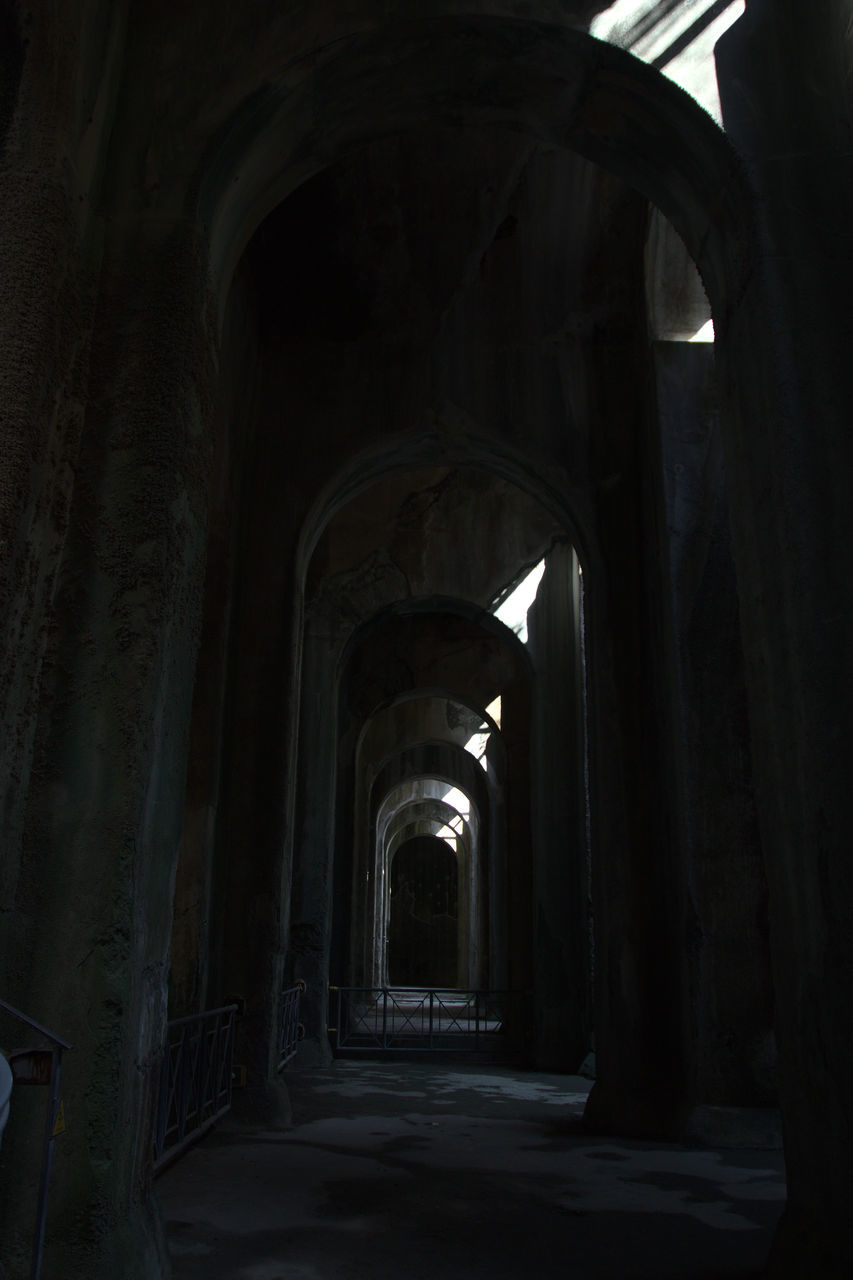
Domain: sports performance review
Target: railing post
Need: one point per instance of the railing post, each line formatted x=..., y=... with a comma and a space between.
x=431, y=996
x=47, y=1160
x=217, y=1045
x=208, y=1036
x=57, y=1047
x=229, y=1068
x=181, y=1084
x=384, y=1017
x=162, y=1103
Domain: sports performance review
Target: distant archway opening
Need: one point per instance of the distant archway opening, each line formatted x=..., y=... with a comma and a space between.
x=423, y=934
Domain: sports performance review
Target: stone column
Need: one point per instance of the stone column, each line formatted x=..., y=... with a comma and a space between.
x=784, y=72
x=638, y=869
x=254, y=824
x=731, y=995
x=58, y=80
x=518, y=866
x=313, y=860
x=105, y=811
x=560, y=890
x=224, y=728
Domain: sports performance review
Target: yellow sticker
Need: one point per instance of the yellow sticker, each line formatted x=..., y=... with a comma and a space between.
x=59, y=1123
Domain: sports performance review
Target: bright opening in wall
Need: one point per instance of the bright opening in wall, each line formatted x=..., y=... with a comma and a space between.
x=705, y=334
x=421, y=916
x=477, y=744
x=479, y=741
x=459, y=801
x=512, y=609
x=678, y=306
x=676, y=37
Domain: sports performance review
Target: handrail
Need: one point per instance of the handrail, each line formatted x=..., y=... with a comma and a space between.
x=59, y=1046
x=196, y=1079
x=36, y=1026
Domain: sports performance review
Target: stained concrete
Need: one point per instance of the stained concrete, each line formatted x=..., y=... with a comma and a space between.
x=426, y=1169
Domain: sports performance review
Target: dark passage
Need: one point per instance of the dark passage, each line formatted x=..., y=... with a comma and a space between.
x=423, y=949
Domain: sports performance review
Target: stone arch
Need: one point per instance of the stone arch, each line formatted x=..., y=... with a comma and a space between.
x=362, y=785
x=591, y=99
x=413, y=792
x=417, y=808
x=555, y=83
x=473, y=451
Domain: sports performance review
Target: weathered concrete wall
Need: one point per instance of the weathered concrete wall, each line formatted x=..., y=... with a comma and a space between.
x=637, y=858
x=731, y=985
x=785, y=84
x=199, y=976
x=59, y=84
x=104, y=809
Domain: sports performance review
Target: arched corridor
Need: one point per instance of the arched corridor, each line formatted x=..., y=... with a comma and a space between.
x=424, y=519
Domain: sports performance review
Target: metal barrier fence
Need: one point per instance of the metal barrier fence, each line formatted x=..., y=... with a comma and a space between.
x=195, y=1081
x=290, y=1028
x=371, y=1019
x=40, y=1067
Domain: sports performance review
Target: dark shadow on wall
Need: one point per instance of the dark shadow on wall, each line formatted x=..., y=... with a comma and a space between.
x=11, y=65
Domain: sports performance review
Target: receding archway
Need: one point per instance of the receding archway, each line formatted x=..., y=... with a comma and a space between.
x=423, y=942
x=582, y=120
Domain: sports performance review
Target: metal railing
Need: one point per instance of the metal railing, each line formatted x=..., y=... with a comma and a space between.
x=371, y=1019
x=290, y=1028
x=40, y=1066
x=196, y=1079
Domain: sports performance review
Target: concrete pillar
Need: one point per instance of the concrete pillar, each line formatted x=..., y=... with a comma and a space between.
x=313, y=863
x=495, y=868
x=517, y=868
x=254, y=823
x=784, y=73
x=560, y=889
x=105, y=812
x=58, y=81
x=731, y=996
x=200, y=976
x=638, y=870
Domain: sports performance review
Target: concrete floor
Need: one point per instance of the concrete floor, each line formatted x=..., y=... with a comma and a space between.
x=413, y=1172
